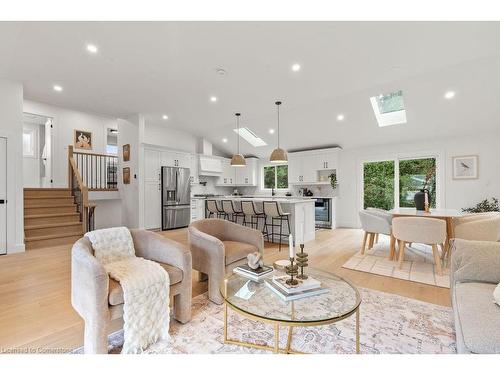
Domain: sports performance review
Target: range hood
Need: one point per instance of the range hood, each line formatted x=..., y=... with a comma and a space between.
x=210, y=166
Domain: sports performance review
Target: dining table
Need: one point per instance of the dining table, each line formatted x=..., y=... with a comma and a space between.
x=446, y=214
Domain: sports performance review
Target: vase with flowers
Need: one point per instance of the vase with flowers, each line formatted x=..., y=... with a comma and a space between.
x=422, y=197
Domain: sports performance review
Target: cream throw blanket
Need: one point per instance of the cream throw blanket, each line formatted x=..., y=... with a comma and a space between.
x=145, y=285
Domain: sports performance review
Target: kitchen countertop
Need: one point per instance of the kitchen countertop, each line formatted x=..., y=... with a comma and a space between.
x=264, y=197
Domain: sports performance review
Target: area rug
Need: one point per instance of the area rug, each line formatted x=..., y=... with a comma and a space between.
x=418, y=265
x=389, y=324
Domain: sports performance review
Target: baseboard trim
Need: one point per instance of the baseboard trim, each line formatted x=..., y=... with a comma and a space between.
x=18, y=248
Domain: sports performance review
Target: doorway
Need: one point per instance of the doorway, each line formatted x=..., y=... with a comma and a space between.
x=3, y=196
x=37, y=151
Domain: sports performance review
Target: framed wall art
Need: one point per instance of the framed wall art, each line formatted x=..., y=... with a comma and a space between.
x=465, y=167
x=82, y=140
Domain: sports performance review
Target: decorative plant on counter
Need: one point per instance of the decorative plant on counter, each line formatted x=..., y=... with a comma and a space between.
x=484, y=206
x=333, y=180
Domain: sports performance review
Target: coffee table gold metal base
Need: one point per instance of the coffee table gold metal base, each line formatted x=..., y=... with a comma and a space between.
x=276, y=348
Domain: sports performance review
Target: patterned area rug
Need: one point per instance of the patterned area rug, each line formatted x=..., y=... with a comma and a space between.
x=418, y=265
x=389, y=324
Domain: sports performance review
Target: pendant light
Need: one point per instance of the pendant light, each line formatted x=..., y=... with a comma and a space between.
x=238, y=160
x=278, y=155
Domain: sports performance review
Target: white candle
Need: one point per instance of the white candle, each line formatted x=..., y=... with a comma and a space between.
x=290, y=244
x=303, y=233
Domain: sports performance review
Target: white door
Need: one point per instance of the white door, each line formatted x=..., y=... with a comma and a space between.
x=152, y=189
x=31, y=156
x=3, y=195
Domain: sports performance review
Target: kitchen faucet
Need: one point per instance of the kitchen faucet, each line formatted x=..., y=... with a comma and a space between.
x=273, y=193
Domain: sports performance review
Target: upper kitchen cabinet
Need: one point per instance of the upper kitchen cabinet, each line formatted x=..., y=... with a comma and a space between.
x=175, y=159
x=238, y=176
x=305, y=167
x=193, y=169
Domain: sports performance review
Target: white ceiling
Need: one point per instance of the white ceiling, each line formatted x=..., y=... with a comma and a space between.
x=169, y=67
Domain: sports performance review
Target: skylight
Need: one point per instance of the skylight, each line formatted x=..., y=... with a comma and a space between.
x=389, y=108
x=250, y=137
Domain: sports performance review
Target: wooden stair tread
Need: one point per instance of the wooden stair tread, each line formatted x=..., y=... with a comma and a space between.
x=50, y=215
x=52, y=225
x=51, y=236
x=53, y=205
x=50, y=197
x=46, y=189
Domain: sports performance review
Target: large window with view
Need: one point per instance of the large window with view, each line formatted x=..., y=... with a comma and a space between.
x=275, y=177
x=391, y=183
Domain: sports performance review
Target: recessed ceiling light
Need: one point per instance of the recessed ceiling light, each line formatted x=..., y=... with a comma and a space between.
x=340, y=117
x=165, y=117
x=271, y=131
x=213, y=99
x=296, y=67
x=58, y=88
x=224, y=140
x=92, y=48
x=449, y=94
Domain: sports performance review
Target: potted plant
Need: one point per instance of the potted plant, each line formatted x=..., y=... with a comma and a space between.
x=333, y=180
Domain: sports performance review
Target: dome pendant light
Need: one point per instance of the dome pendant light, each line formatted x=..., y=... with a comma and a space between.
x=238, y=160
x=278, y=155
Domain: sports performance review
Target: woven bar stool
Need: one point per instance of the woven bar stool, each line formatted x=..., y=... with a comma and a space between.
x=212, y=209
x=230, y=212
x=249, y=210
x=273, y=210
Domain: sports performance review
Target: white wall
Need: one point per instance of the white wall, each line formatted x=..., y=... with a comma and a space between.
x=455, y=194
x=65, y=121
x=11, y=127
x=128, y=133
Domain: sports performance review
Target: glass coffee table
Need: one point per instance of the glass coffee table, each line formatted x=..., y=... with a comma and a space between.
x=255, y=301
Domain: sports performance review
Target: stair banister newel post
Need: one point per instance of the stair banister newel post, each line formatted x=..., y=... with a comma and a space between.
x=80, y=192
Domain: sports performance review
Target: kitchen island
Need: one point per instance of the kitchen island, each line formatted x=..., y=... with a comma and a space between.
x=301, y=210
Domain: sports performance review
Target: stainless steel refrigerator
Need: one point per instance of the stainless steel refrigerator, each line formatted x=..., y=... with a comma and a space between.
x=175, y=197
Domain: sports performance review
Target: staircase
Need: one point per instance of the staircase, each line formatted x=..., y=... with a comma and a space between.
x=50, y=218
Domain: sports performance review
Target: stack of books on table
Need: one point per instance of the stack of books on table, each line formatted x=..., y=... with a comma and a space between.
x=255, y=275
x=305, y=288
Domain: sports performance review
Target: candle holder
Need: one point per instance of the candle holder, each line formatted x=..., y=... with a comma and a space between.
x=292, y=270
x=302, y=259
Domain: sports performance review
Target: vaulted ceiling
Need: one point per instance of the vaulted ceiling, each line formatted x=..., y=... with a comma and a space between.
x=157, y=68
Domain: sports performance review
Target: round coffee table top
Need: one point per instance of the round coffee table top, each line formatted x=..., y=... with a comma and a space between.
x=259, y=301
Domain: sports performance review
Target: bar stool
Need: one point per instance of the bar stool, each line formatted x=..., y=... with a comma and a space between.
x=273, y=210
x=212, y=209
x=420, y=230
x=230, y=212
x=249, y=210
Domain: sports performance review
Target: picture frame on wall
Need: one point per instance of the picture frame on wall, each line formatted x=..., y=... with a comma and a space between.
x=126, y=152
x=126, y=175
x=82, y=139
x=465, y=167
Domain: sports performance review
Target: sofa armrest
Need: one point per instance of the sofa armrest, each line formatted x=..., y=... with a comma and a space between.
x=482, y=228
x=475, y=261
x=208, y=251
x=89, y=282
x=152, y=246
x=240, y=233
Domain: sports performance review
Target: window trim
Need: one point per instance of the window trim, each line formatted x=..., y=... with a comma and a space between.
x=275, y=177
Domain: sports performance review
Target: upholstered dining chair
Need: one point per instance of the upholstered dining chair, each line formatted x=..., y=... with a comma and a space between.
x=420, y=230
x=218, y=246
x=373, y=224
x=99, y=299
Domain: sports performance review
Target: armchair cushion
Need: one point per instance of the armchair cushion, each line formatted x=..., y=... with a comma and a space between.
x=116, y=292
x=236, y=251
x=475, y=261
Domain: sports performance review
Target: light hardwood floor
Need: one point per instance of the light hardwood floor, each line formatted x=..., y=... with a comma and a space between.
x=35, y=306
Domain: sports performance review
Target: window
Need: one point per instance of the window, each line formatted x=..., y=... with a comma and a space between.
x=249, y=136
x=112, y=142
x=276, y=177
x=29, y=146
x=378, y=178
x=415, y=174
x=391, y=183
x=389, y=108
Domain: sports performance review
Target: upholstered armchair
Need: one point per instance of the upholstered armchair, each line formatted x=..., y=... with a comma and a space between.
x=375, y=222
x=99, y=299
x=217, y=246
x=479, y=227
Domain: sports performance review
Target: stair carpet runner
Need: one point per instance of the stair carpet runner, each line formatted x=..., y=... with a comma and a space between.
x=50, y=218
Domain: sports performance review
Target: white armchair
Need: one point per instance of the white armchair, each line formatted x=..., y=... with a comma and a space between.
x=374, y=222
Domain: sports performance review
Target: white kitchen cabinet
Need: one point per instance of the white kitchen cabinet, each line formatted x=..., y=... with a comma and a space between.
x=197, y=209
x=303, y=167
x=167, y=158
x=193, y=169
x=152, y=189
x=228, y=176
x=175, y=159
x=247, y=176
